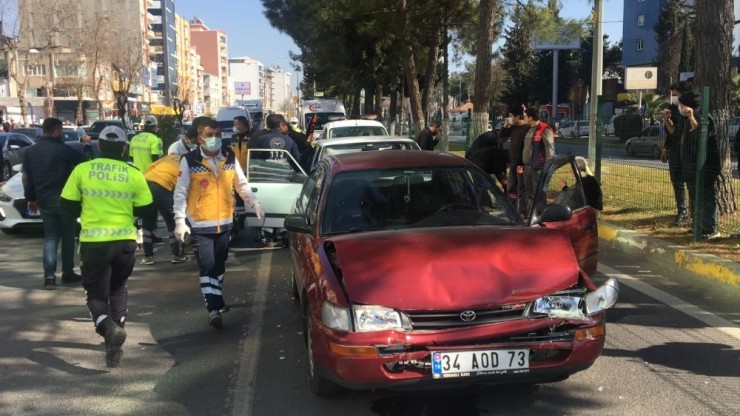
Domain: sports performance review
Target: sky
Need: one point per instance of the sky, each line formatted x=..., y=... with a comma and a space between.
x=250, y=34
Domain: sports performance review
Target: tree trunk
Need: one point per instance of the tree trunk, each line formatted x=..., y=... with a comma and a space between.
x=379, y=101
x=445, y=89
x=430, y=75
x=409, y=67
x=714, y=24
x=482, y=87
x=22, y=103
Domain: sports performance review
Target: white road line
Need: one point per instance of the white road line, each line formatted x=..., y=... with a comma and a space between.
x=244, y=384
x=678, y=304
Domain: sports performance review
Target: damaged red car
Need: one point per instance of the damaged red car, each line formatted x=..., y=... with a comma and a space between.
x=413, y=270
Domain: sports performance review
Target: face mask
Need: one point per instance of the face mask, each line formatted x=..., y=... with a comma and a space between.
x=674, y=100
x=213, y=143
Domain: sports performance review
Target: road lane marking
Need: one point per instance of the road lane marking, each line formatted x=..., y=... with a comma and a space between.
x=244, y=384
x=678, y=304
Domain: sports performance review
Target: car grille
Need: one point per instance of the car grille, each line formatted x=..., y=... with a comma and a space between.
x=453, y=319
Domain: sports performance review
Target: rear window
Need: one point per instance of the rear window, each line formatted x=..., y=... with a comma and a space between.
x=353, y=131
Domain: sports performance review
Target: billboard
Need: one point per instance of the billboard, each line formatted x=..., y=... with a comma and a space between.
x=641, y=78
x=242, y=88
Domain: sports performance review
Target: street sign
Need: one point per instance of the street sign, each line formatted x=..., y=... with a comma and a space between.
x=641, y=78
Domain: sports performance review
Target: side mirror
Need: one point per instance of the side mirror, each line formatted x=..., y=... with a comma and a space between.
x=297, y=223
x=556, y=212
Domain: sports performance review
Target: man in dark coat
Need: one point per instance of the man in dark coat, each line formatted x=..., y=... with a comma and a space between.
x=46, y=167
x=428, y=137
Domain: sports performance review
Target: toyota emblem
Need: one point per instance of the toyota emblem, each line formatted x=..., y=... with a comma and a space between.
x=467, y=316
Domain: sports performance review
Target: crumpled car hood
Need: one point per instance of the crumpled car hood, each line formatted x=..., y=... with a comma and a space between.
x=455, y=267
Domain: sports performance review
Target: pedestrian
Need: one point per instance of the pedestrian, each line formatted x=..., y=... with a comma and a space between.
x=189, y=140
x=146, y=147
x=161, y=177
x=675, y=123
x=428, y=137
x=46, y=167
x=272, y=145
x=204, y=199
x=298, y=138
x=106, y=193
x=591, y=187
x=486, y=139
x=688, y=104
x=514, y=130
x=539, y=148
x=240, y=139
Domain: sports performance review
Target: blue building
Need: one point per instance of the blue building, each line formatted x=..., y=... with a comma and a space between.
x=639, y=46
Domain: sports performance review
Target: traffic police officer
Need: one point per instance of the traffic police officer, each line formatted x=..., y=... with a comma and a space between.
x=106, y=193
x=146, y=147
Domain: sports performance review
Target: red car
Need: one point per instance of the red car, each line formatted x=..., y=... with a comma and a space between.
x=413, y=270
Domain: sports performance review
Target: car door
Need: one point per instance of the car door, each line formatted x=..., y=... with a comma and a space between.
x=303, y=245
x=17, y=146
x=560, y=183
x=276, y=178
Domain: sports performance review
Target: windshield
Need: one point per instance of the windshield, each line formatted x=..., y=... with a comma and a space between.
x=226, y=125
x=323, y=118
x=353, y=131
x=413, y=198
x=70, y=136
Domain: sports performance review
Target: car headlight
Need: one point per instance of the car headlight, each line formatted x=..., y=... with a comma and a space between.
x=335, y=316
x=602, y=298
x=377, y=318
x=559, y=306
x=4, y=197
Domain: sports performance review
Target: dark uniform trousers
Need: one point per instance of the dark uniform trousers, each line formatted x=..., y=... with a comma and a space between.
x=105, y=268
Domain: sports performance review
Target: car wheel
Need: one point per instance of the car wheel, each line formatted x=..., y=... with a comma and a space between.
x=630, y=150
x=10, y=230
x=7, y=171
x=656, y=152
x=320, y=386
x=573, y=135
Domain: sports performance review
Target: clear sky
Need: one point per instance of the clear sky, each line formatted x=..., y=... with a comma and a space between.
x=250, y=34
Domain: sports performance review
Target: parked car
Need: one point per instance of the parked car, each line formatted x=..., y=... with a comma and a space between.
x=351, y=128
x=73, y=133
x=649, y=142
x=609, y=126
x=14, y=215
x=98, y=126
x=575, y=128
x=413, y=270
x=12, y=148
x=324, y=148
x=34, y=133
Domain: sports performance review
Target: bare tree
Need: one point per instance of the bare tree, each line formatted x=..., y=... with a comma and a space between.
x=13, y=24
x=126, y=64
x=482, y=92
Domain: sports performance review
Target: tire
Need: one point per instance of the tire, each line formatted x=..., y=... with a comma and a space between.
x=573, y=134
x=630, y=150
x=656, y=152
x=320, y=386
x=7, y=171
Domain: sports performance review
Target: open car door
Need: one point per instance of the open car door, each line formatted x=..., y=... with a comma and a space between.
x=276, y=178
x=560, y=188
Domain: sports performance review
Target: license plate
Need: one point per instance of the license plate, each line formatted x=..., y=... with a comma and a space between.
x=447, y=364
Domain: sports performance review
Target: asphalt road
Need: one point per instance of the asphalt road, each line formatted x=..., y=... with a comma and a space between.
x=672, y=348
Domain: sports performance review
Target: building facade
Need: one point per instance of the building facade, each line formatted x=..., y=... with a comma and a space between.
x=246, y=78
x=212, y=46
x=162, y=39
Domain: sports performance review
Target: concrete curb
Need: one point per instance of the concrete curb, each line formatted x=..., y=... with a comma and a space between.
x=712, y=268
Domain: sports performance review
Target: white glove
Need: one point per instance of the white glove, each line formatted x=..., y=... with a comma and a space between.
x=181, y=231
x=259, y=212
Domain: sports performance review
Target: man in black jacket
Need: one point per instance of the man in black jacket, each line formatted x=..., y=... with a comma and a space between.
x=46, y=167
x=427, y=138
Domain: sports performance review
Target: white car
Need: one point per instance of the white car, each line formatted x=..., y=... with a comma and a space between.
x=326, y=148
x=14, y=216
x=574, y=129
x=352, y=128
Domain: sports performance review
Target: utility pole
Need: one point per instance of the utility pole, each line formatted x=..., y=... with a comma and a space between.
x=596, y=75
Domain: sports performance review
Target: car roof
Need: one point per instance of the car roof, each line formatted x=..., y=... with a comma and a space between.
x=361, y=139
x=392, y=160
x=351, y=123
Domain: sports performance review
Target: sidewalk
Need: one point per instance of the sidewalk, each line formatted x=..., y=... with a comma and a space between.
x=715, y=270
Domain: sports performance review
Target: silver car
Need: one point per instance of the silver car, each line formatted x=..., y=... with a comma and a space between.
x=649, y=142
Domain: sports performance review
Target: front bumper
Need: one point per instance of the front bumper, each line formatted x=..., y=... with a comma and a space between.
x=403, y=360
x=12, y=218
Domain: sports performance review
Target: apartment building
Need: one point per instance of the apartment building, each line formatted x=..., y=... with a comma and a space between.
x=162, y=40
x=250, y=72
x=212, y=47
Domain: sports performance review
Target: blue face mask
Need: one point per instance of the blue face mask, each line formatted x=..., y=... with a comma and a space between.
x=213, y=143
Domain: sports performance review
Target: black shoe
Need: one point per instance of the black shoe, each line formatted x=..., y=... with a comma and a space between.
x=681, y=219
x=50, y=284
x=71, y=277
x=114, y=336
x=225, y=308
